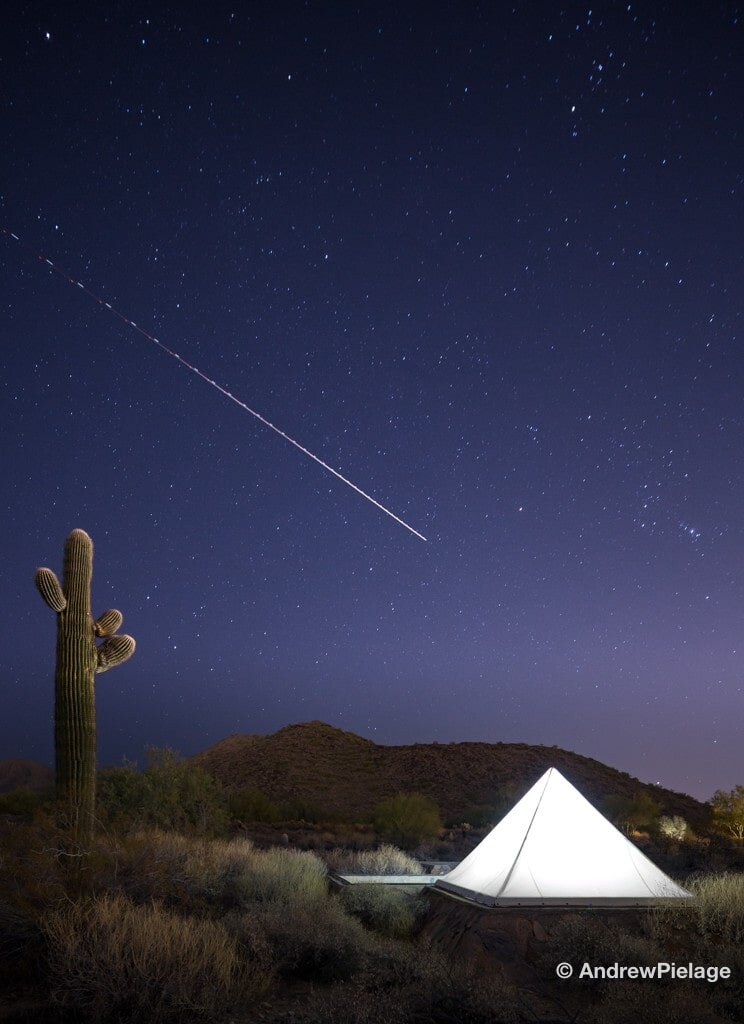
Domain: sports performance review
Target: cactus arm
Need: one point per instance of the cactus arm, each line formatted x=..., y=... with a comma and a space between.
x=108, y=623
x=49, y=587
x=114, y=651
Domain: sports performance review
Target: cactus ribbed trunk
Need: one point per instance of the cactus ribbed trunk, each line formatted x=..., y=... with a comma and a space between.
x=74, y=705
x=79, y=658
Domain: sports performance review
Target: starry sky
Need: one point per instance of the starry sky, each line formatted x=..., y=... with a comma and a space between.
x=483, y=259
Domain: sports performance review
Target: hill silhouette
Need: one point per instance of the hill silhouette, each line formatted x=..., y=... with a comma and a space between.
x=346, y=775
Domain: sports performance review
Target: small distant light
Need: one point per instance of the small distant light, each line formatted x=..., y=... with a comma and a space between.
x=47, y=36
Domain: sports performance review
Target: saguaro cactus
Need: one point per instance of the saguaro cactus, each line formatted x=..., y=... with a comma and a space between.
x=79, y=658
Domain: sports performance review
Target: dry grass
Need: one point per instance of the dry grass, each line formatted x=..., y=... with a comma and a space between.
x=386, y=860
x=216, y=875
x=285, y=877
x=115, y=960
x=719, y=905
x=716, y=912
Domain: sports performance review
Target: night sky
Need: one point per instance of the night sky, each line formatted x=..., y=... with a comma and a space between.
x=485, y=260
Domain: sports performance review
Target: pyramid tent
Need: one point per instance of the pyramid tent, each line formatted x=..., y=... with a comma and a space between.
x=554, y=848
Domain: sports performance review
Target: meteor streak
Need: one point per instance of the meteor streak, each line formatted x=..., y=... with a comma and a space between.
x=214, y=384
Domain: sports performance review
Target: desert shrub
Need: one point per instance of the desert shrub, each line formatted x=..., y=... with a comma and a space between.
x=407, y=819
x=716, y=913
x=398, y=983
x=120, y=794
x=169, y=794
x=303, y=810
x=582, y=939
x=462, y=996
x=481, y=815
x=430, y=986
x=628, y=1003
x=345, y=1003
x=18, y=930
x=674, y=827
x=23, y=802
x=728, y=811
x=383, y=908
x=718, y=907
x=206, y=876
x=40, y=865
x=279, y=876
x=385, y=860
x=118, y=961
x=728, y=995
x=630, y=813
x=320, y=943
x=252, y=805
x=188, y=873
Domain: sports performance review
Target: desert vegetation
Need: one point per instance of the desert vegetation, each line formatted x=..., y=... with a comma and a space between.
x=171, y=911
x=192, y=902
x=156, y=925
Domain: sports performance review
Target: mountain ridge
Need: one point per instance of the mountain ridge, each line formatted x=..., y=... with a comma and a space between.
x=347, y=774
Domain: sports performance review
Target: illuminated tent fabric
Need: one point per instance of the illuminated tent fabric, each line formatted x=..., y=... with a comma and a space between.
x=553, y=847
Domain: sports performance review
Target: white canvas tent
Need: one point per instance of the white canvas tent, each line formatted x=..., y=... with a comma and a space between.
x=554, y=848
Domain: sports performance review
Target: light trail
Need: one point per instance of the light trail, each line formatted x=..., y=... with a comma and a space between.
x=214, y=384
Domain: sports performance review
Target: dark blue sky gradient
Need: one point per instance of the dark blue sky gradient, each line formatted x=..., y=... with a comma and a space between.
x=485, y=260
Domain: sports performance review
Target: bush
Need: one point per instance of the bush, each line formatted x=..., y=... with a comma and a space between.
x=430, y=986
x=715, y=914
x=317, y=943
x=674, y=827
x=579, y=939
x=418, y=986
x=23, y=802
x=384, y=909
x=728, y=997
x=252, y=805
x=728, y=811
x=718, y=907
x=192, y=874
x=114, y=960
x=344, y=1003
x=223, y=874
x=386, y=860
x=18, y=931
x=629, y=1003
x=630, y=813
x=278, y=876
x=479, y=816
x=407, y=819
x=303, y=810
x=169, y=794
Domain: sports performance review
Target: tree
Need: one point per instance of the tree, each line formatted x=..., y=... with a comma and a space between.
x=728, y=811
x=631, y=812
x=253, y=805
x=170, y=794
x=407, y=819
